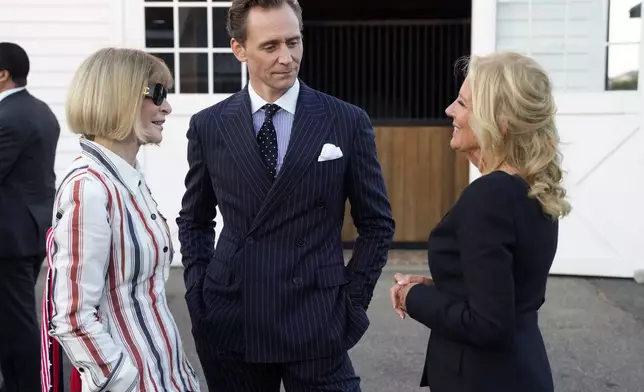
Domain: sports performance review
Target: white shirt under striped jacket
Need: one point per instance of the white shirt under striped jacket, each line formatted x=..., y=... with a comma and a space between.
x=110, y=257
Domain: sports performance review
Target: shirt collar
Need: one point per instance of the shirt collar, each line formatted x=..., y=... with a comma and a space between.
x=288, y=101
x=130, y=176
x=7, y=93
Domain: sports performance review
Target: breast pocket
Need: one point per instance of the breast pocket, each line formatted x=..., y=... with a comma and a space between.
x=327, y=175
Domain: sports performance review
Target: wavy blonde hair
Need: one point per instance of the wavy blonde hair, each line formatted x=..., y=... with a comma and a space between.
x=513, y=118
x=106, y=93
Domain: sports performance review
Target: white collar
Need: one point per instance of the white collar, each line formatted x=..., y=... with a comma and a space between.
x=130, y=175
x=7, y=93
x=288, y=101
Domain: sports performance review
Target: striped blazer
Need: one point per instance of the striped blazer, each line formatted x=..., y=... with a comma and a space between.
x=110, y=251
x=275, y=288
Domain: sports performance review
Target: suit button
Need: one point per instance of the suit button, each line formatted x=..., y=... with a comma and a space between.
x=238, y=280
x=300, y=242
x=250, y=240
x=165, y=249
x=297, y=280
x=320, y=204
x=153, y=216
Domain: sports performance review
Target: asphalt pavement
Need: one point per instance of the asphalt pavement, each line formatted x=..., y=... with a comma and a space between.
x=593, y=328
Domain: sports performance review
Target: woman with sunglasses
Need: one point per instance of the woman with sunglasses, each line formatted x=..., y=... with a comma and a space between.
x=109, y=248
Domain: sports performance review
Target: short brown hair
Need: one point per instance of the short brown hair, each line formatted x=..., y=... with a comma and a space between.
x=238, y=13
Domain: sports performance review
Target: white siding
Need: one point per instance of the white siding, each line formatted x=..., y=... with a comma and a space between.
x=567, y=37
x=58, y=35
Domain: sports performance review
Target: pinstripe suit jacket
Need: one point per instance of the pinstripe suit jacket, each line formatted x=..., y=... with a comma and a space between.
x=276, y=288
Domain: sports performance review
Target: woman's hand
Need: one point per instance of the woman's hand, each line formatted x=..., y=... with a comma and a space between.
x=402, y=284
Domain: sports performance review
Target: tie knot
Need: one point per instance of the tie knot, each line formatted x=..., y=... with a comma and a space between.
x=271, y=109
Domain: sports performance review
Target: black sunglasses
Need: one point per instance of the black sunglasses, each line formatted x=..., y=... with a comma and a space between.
x=157, y=93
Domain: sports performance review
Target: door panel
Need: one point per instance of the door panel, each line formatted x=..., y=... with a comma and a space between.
x=424, y=176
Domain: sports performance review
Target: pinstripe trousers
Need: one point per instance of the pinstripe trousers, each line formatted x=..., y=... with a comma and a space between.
x=233, y=374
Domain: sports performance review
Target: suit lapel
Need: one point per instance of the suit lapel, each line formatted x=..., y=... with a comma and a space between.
x=310, y=129
x=239, y=135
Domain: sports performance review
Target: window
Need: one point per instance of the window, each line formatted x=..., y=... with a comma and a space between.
x=562, y=35
x=623, y=44
x=191, y=37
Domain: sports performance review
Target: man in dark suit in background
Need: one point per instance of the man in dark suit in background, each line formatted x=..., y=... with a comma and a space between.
x=274, y=301
x=29, y=134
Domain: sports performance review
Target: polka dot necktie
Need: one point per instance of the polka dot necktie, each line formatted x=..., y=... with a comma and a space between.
x=267, y=139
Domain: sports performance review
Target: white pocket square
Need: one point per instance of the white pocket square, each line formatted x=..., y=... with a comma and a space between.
x=329, y=152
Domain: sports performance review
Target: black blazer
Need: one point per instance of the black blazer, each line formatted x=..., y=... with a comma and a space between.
x=29, y=134
x=489, y=257
x=276, y=288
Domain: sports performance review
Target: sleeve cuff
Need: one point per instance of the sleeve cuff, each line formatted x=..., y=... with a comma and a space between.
x=423, y=302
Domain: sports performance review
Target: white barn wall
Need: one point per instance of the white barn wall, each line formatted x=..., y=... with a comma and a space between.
x=603, y=151
x=58, y=35
x=603, y=145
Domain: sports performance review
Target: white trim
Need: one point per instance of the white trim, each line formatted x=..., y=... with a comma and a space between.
x=118, y=21
x=529, y=27
x=134, y=36
x=640, y=88
x=134, y=15
x=483, y=28
x=565, y=45
x=189, y=104
x=211, y=67
x=483, y=41
x=608, y=43
x=177, y=60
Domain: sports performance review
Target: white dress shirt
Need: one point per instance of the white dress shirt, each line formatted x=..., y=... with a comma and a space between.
x=282, y=120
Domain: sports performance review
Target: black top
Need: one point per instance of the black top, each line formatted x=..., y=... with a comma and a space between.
x=489, y=257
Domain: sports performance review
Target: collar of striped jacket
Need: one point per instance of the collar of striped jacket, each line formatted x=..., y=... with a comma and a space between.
x=130, y=176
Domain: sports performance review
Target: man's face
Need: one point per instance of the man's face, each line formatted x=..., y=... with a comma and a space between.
x=273, y=48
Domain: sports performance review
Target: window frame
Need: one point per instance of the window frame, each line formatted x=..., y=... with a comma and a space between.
x=608, y=44
x=484, y=18
x=133, y=15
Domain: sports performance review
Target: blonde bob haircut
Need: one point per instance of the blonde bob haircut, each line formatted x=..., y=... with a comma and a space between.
x=513, y=118
x=107, y=91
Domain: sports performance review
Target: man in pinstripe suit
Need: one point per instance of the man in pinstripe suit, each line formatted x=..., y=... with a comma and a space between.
x=274, y=302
